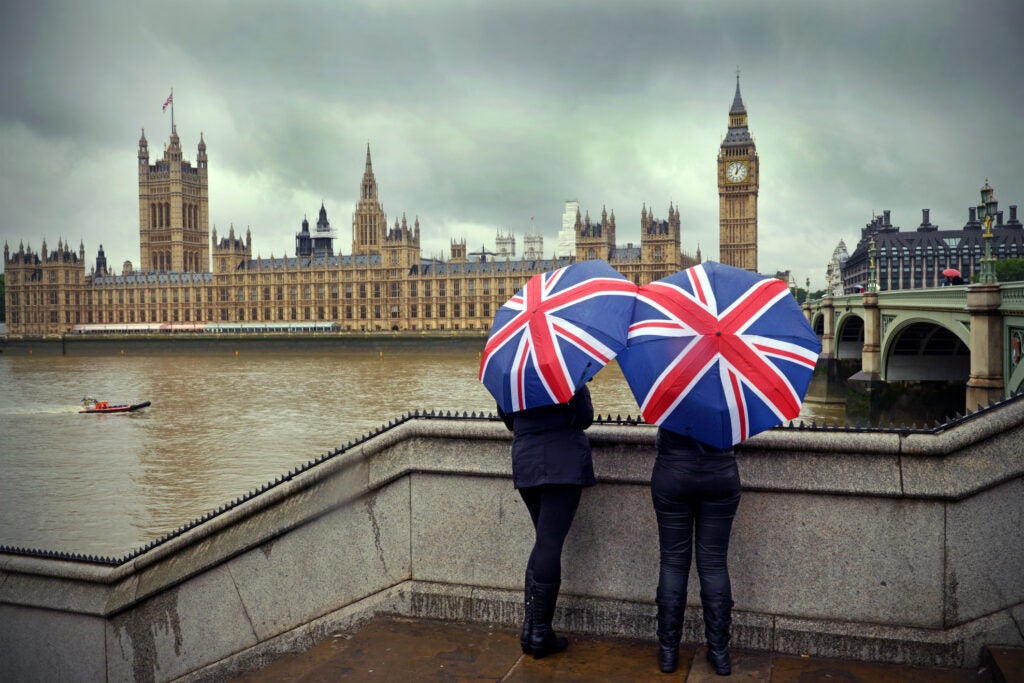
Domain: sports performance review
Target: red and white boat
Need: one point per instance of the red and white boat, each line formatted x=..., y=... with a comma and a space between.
x=91, y=405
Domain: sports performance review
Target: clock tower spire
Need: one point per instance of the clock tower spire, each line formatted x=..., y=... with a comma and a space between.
x=738, y=180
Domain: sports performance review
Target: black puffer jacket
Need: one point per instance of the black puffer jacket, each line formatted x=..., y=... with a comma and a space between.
x=549, y=445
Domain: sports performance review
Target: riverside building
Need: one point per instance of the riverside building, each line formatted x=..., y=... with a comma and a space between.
x=191, y=279
x=915, y=259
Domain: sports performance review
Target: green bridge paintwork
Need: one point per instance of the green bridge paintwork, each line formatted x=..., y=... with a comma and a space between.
x=971, y=332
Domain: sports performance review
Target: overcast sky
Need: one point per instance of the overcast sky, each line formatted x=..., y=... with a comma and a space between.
x=482, y=114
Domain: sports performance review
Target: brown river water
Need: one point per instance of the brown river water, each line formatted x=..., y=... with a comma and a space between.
x=225, y=418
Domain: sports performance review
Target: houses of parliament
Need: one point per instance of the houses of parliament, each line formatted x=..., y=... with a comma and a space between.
x=190, y=278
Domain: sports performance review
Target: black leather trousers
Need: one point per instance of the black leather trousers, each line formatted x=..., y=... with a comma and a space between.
x=695, y=499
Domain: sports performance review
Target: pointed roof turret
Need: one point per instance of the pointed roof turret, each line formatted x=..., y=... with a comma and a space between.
x=369, y=183
x=737, y=101
x=738, y=135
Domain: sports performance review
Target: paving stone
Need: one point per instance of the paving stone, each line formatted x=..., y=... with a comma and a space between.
x=400, y=650
x=815, y=670
x=600, y=659
x=1007, y=664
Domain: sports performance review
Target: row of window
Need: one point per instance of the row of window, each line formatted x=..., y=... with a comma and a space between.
x=350, y=312
x=160, y=215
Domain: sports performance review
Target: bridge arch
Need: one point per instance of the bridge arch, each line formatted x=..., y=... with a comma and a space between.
x=921, y=349
x=818, y=324
x=849, y=338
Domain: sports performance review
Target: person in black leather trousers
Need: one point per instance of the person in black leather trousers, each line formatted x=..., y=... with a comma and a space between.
x=695, y=489
x=551, y=465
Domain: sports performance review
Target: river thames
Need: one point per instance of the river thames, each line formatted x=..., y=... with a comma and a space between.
x=225, y=418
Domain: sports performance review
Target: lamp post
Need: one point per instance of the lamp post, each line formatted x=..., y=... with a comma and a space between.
x=986, y=210
x=872, y=269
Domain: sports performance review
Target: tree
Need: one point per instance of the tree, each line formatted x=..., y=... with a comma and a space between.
x=1010, y=269
x=3, y=299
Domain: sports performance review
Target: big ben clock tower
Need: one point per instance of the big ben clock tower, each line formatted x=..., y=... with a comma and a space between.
x=738, y=179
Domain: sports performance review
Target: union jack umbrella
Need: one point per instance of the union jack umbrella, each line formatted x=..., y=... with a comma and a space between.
x=555, y=334
x=718, y=354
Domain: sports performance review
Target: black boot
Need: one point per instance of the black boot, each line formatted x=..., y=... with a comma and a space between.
x=524, y=636
x=717, y=619
x=543, y=640
x=671, y=608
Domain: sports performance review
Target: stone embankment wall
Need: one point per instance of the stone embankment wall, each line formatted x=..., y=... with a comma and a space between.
x=901, y=546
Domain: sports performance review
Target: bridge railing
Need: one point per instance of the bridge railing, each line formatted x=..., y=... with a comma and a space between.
x=1012, y=298
x=935, y=298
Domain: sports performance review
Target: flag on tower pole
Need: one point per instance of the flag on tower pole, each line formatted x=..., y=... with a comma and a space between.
x=170, y=102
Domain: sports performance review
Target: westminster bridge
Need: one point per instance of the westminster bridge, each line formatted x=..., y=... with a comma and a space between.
x=971, y=333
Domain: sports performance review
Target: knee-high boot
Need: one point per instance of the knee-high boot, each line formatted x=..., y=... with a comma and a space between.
x=671, y=609
x=717, y=619
x=524, y=636
x=543, y=640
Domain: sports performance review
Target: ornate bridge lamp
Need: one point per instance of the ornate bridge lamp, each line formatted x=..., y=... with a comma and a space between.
x=986, y=210
x=986, y=381
x=872, y=268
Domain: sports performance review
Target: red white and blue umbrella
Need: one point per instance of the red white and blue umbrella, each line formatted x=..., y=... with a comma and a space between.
x=718, y=353
x=555, y=334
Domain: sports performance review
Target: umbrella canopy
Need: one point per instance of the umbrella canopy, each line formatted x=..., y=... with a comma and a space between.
x=951, y=272
x=718, y=353
x=555, y=334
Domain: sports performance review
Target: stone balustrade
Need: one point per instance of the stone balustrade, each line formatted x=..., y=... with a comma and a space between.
x=896, y=545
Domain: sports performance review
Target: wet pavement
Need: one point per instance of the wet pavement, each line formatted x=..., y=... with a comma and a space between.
x=396, y=650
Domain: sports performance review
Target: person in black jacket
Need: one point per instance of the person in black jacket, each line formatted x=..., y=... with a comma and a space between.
x=695, y=489
x=551, y=465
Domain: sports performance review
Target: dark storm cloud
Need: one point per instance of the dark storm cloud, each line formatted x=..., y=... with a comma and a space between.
x=481, y=115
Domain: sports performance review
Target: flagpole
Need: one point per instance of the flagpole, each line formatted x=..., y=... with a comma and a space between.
x=172, y=109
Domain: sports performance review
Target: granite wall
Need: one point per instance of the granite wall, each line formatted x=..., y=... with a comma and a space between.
x=901, y=546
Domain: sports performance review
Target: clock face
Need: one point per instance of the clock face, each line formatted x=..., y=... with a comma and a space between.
x=736, y=172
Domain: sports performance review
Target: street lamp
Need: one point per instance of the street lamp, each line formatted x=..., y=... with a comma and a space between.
x=872, y=272
x=986, y=210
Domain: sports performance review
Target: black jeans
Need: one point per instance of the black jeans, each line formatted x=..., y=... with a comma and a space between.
x=695, y=499
x=552, y=508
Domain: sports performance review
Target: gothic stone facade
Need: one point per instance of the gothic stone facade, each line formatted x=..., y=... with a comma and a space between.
x=383, y=284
